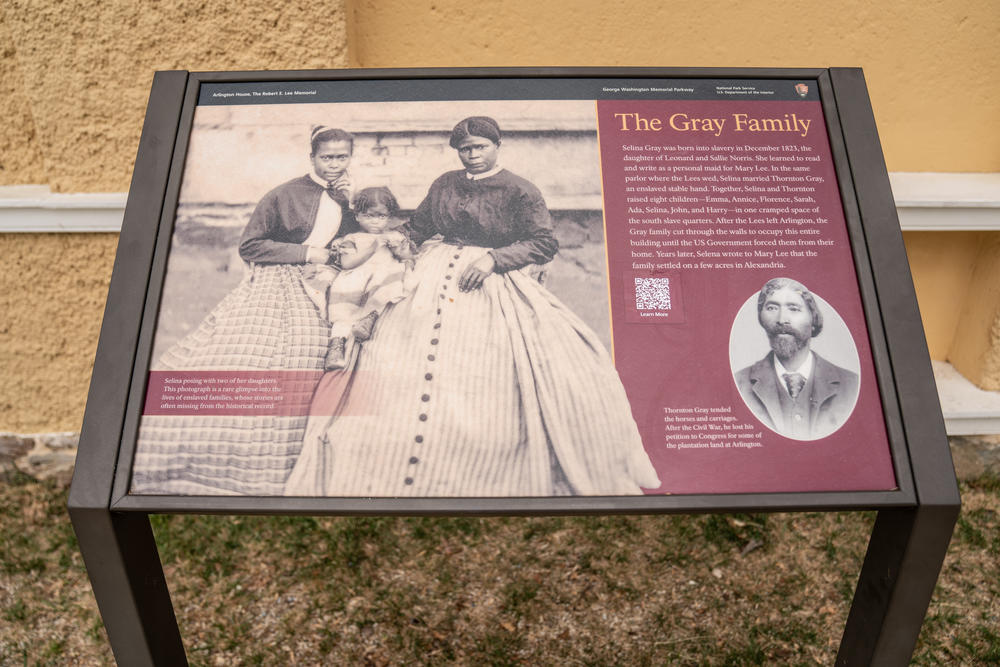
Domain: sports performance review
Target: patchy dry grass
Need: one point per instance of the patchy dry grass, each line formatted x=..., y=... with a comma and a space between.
x=721, y=589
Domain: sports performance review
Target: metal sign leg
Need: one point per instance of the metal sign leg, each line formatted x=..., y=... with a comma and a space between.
x=125, y=572
x=905, y=555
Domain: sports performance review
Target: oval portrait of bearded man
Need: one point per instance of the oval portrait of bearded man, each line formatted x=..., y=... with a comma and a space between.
x=794, y=361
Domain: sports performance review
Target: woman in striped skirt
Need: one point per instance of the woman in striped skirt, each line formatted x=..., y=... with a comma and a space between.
x=480, y=383
x=269, y=324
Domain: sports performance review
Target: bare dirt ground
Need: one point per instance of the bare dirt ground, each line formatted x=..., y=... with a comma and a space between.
x=686, y=590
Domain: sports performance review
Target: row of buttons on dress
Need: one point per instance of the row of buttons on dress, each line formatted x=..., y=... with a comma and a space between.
x=431, y=358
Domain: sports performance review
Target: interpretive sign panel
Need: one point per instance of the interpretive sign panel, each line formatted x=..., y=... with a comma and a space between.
x=512, y=292
x=586, y=287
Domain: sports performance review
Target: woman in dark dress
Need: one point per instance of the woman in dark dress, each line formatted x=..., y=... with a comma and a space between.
x=481, y=383
x=268, y=323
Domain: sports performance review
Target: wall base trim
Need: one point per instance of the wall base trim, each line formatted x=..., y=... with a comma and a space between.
x=35, y=209
x=967, y=409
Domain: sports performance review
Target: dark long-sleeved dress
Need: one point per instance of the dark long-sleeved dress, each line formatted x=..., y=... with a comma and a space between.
x=267, y=323
x=499, y=391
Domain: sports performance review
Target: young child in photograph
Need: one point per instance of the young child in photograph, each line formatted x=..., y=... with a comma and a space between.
x=372, y=266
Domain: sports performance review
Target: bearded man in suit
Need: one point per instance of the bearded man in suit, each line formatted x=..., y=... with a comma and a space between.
x=793, y=390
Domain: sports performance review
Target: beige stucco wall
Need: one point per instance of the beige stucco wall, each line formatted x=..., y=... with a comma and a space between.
x=52, y=292
x=942, y=264
x=74, y=77
x=975, y=347
x=86, y=65
x=20, y=157
x=933, y=68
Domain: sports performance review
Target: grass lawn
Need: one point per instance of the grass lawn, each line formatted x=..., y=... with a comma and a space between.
x=687, y=590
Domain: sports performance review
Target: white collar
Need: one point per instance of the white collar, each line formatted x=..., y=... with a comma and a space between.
x=317, y=180
x=486, y=174
x=805, y=370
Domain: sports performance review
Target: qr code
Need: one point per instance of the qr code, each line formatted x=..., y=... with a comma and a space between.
x=652, y=293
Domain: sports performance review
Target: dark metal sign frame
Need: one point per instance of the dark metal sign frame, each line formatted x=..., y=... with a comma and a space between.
x=914, y=523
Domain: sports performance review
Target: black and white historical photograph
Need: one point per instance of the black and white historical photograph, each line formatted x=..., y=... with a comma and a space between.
x=421, y=287
x=794, y=361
